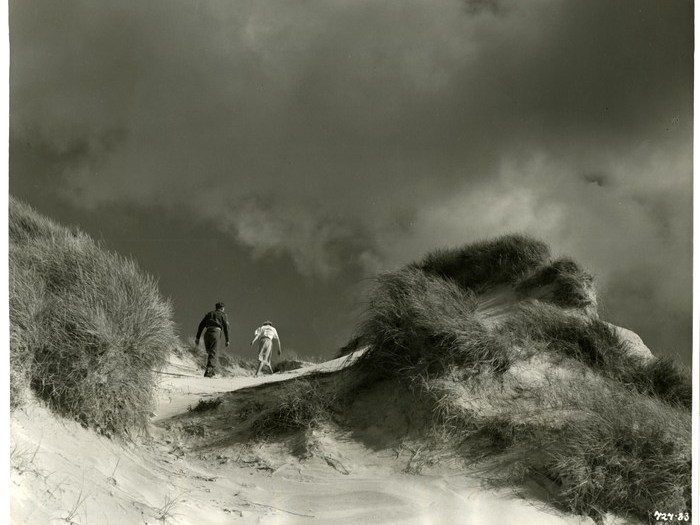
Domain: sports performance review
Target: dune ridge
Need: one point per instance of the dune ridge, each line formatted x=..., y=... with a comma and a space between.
x=481, y=386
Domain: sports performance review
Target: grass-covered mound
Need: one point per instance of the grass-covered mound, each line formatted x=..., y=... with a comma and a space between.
x=610, y=430
x=88, y=328
x=545, y=391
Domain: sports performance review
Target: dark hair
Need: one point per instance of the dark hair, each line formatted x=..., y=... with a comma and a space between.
x=220, y=305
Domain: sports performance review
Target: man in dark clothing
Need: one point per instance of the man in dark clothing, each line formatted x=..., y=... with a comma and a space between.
x=212, y=325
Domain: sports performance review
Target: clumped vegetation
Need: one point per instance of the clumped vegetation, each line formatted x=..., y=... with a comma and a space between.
x=88, y=328
x=476, y=266
x=594, y=343
x=206, y=405
x=421, y=324
x=608, y=450
x=563, y=283
x=627, y=454
x=301, y=404
x=666, y=379
x=610, y=432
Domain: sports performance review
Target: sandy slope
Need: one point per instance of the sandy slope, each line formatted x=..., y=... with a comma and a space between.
x=70, y=475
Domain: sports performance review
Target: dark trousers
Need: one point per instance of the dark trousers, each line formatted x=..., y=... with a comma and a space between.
x=211, y=341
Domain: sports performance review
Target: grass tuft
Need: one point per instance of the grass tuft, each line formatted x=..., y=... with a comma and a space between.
x=666, y=379
x=615, y=450
x=563, y=283
x=476, y=266
x=205, y=405
x=421, y=324
x=304, y=404
x=88, y=328
x=595, y=344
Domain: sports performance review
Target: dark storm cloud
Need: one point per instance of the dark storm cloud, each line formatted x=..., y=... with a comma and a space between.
x=365, y=133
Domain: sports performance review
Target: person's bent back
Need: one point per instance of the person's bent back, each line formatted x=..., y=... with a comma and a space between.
x=265, y=335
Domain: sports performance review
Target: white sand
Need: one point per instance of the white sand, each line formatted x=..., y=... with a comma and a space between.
x=71, y=475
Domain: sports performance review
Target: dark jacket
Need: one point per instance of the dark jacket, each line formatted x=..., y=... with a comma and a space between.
x=214, y=319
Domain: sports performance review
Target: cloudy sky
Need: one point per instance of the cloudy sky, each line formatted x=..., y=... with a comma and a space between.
x=276, y=154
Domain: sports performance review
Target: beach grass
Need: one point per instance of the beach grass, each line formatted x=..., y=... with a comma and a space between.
x=88, y=327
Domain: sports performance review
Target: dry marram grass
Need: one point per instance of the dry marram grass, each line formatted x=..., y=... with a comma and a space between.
x=88, y=328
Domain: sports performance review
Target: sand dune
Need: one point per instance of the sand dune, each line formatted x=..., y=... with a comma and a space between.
x=478, y=368
x=72, y=475
x=203, y=467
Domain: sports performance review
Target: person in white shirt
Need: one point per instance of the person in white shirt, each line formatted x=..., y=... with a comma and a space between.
x=265, y=335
